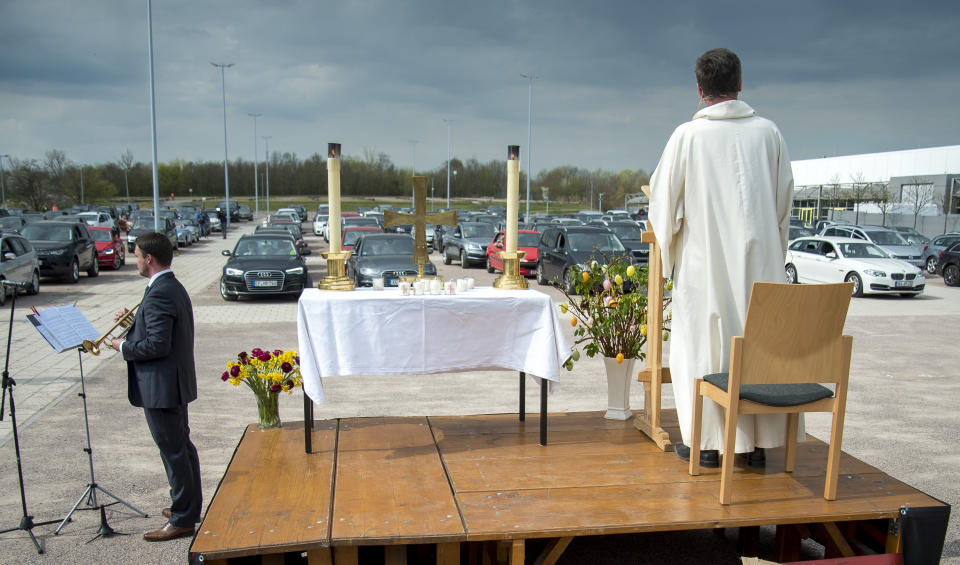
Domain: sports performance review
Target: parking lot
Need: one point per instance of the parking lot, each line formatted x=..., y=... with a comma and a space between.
x=900, y=413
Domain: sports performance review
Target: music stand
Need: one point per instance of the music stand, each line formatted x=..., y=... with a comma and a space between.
x=26, y=521
x=90, y=493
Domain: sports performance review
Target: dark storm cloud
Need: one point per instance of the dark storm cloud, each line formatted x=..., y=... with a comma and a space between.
x=838, y=77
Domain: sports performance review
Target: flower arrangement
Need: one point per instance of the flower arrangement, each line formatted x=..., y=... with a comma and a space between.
x=267, y=374
x=610, y=313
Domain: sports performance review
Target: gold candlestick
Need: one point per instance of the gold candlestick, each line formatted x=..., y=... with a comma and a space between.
x=511, y=279
x=336, y=278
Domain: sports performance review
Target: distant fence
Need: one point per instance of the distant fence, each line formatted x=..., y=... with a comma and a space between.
x=927, y=225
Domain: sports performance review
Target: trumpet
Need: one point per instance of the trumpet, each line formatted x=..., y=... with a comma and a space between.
x=123, y=323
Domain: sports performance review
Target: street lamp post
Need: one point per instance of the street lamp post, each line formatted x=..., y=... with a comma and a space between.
x=256, y=186
x=530, y=78
x=448, y=122
x=413, y=148
x=266, y=140
x=226, y=160
x=3, y=183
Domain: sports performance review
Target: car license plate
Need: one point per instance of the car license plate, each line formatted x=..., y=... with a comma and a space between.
x=393, y=282
x=265, y=283
x=903, y=284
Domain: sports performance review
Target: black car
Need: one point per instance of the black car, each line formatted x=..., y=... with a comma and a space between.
x=468, y=243
x=244, y=213
x=288, y=228
x=263, y=264
x=630, y=236
x=63, y=248
x=386, y=255
x=12, y=224
x=561, y=248
x=949, y=265
x=144, y=224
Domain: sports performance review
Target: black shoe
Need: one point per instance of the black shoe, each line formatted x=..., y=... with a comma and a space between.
x=709, y=458
x=756, y=458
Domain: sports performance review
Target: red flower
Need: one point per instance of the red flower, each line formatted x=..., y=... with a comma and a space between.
x=278, y=352
x=264, y=356
x=256, y=351
x=289, y=383
x=235, y=370
x=275, y=388
x=296, y=358
x=225, y=376
x=242, y=355
x=286, y=367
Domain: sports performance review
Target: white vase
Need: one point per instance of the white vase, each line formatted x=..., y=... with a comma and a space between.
x=619, y=376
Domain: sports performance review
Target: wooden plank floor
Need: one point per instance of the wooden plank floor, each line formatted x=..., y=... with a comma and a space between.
x=474, y=478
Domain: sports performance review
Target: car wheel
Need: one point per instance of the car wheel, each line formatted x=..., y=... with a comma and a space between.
x=117, y=261
x=932, y=265
x=34, y=287
x=446, y=257
x=490, y=268
x=542, y=280
x=951, y=275
x=94, y=269
x=74, y=274
x=463, y=259
x=224, y=294
x=791, y=274
x=857, y=284
x=568, y=282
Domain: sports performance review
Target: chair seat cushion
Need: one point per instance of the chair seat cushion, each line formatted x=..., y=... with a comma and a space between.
x=792, y=394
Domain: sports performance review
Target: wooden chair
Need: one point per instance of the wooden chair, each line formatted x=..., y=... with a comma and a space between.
x=792, y=341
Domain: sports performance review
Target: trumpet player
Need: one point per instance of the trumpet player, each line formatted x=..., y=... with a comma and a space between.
x=161, y=378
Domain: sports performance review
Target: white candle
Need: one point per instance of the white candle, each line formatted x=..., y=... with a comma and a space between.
x=378, y=283
x=461, y=285
x=470, y=283
x=513, y=195
x=333, y=195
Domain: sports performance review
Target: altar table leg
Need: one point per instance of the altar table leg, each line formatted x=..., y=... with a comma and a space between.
x=523, y=396
x=543, y=411
x=307, y=423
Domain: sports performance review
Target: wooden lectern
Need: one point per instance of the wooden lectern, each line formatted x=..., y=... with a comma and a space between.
x=654, y=374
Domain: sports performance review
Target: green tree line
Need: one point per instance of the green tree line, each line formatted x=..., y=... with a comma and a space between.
x=58, y=181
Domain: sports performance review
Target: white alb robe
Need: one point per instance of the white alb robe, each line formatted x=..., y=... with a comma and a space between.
x=720, y=207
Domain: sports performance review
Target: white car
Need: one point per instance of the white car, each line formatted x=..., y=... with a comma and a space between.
x=840, y=259
x=97, y=219
x=319, y=224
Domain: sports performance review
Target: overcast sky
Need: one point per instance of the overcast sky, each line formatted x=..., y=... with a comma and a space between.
x=614, y=78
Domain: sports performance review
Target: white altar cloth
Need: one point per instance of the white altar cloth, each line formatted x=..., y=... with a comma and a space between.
x=381, y=332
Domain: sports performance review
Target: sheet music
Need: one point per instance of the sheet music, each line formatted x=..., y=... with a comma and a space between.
x=64, y=327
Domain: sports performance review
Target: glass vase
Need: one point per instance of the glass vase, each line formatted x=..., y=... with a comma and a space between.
x=268, y=410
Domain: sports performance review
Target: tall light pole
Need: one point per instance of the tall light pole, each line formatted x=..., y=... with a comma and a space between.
x=81, y=184
x=3, y=183
x=226, y=160
x=266, y=140
x=448, y=122
x=530, y=78
x=413, y=149
x=153, y=121
x=256, y=188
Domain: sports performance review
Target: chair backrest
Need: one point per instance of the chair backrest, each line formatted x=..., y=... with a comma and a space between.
x=794, y=334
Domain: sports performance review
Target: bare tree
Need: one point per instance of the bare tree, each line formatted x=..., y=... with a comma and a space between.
x=917, y=195
x=859, y=190
x=28, y=181
x=126, y=162
x=883, y=196
x=834, y=193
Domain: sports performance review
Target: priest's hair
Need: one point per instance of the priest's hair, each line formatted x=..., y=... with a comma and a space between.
x=718, y=73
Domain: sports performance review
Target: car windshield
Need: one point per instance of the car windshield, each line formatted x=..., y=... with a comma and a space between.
x=862, y=251
x=352, y=237
x=887, y=238
x=478, y=229
x=40, y=232
x=144, y=223
x=264, y=247
x=387, y=246
x=10, y=222
x=528, y=239
x=605, y=242
x=628, y=232
x=101, y=235
x=354, y=221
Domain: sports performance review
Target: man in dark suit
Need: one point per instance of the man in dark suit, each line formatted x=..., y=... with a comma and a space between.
x=161, y=378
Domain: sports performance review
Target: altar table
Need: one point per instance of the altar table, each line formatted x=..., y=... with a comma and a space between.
x=382, y=332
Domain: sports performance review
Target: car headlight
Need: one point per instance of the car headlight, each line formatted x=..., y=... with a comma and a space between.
x=474, y=246
x=131, y=239
x=368, y=271
x=108, y=251
x=920, y=278
x=295, y=271
x=234, y=272
x=59, y=251
x=875, y=273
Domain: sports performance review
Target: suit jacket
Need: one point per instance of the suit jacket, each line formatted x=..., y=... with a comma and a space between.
x=159, y=348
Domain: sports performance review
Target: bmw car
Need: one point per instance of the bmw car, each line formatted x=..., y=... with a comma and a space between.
x=839, y=259
x=386, y=255
x=263, y=265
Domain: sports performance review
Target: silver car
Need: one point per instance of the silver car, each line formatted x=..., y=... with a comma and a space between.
x=18, y=263
x=887, y=239
x=931, y=251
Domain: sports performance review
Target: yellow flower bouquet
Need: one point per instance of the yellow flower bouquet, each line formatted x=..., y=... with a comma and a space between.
x=267, y=374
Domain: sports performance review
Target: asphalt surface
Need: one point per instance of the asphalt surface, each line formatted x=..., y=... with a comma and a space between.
x=900, y=413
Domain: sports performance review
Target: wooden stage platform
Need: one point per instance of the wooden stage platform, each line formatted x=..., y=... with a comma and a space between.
x=445, y=483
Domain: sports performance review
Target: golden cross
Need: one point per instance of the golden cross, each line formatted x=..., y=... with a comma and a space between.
x=419, y=220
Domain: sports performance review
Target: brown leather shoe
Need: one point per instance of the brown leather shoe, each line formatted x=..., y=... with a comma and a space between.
x=168, y=532
x=165, y=512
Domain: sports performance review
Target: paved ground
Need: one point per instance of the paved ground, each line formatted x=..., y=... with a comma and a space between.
x=900, y=413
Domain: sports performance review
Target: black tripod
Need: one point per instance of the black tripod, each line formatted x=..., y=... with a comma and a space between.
x=90, y=494
x=26, y=522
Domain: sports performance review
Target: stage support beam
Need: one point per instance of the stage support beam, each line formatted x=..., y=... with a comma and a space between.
x=320, y=556
x=553, y=551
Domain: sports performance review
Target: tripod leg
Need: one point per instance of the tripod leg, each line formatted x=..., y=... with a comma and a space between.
x=121, y=501
x=85, y=494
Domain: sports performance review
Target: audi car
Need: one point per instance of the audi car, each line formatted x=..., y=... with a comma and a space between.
x=384, y=255
x=263, y=264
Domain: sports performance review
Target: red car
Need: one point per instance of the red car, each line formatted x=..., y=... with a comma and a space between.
x=526, y=241
x=111, y=251
x=351, y=236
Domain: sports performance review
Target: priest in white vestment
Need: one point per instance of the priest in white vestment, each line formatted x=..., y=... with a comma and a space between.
x=720, y=208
